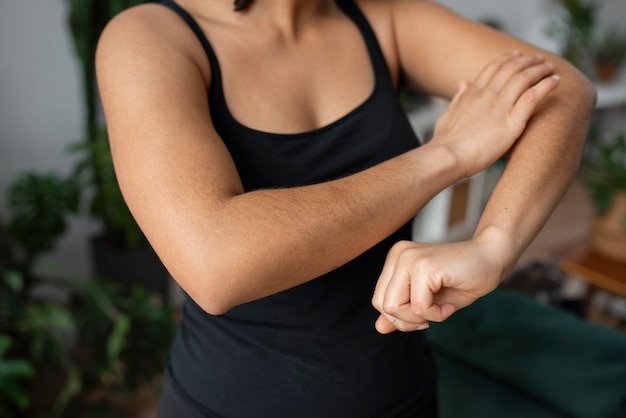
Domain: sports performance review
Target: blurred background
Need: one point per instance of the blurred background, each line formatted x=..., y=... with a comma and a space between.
x=87, y=309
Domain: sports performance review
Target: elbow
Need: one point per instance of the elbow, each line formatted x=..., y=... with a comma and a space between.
x=211, y=282
x=584, y=90
x=214, y=297
x=214, y=308
x=589, y=95
x=211, y=303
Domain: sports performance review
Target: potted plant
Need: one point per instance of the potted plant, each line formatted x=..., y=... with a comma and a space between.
x=120, y=251
x=125, y=373
x=604, y=172
x=609, y=53
x=575, y=29
x=14, y=397
x=38, y=326
x=80, y=336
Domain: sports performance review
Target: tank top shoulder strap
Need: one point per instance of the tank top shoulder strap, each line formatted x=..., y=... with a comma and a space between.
x=206, y=45
x=352, y=10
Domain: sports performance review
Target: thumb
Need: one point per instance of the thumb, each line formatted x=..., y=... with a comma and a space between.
x=383, y=326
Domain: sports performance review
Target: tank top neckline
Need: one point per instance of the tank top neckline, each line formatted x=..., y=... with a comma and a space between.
x=216, y=92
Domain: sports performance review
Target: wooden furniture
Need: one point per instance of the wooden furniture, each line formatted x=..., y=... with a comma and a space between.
x=606, y=295
x=598, y=271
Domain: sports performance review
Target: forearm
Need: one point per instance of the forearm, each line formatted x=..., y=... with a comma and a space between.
x=259, y=243
x=540, y=168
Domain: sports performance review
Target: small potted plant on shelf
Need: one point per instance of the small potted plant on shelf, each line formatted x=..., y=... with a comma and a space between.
x=604, y=172
x=609, y=53
x=575, y=30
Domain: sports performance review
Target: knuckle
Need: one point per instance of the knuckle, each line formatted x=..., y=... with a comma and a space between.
x=389, y=308
x=426, y=264
x=533, y=74
x=398, y=250
x=513, y=64
x=530, y=96
x=400, y=246
x=418, y=308
x=517, y=123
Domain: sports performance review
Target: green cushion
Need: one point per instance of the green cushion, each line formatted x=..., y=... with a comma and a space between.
x=506, y=353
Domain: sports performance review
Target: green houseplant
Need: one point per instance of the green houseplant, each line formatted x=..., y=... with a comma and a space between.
x=86, y=336
x=575, y=29
x=604, y=172
x=37, y=326
x=14, y=397
x=86, y=20
x=122, y=343
x=120, y=250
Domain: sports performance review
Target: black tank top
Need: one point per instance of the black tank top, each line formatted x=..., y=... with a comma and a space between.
x=310, y=351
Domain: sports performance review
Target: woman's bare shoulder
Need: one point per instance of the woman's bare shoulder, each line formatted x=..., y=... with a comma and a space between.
x=148, y=36
x=389, y=5
x=142, y=22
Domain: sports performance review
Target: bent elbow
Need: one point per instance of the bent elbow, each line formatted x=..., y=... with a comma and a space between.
x=586, y=92
x=214, y=309
x=213, y=299
x=589, y=93
x=214, y=306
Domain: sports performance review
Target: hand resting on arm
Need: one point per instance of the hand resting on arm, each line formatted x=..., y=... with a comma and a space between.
x=226, y=247
x=428, y=282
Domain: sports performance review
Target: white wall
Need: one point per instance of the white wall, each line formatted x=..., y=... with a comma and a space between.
x=524, y=19
x=529, y=19
x=40, y=103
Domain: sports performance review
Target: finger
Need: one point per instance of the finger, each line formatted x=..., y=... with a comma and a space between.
x=397, y=297
x=525, y=80
x=511, y=68
x=493, y=67
x=385, y=276
x=439, y=313
x=396, y=307
x=397, y=300
x=385, y=326
x=391, y=263
x=423, y=305
x=531, y=98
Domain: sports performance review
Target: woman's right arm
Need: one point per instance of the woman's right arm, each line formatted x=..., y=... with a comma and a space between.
x=226, y=247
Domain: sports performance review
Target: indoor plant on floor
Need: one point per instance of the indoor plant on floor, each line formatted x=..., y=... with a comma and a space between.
x=78, y=347
x=604, y=172
x=120, y=251
x=31, y=313
x=576, y=29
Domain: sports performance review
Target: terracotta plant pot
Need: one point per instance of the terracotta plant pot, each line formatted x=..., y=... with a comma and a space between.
x=606, y=72
x=608, y=233
x=142, y=404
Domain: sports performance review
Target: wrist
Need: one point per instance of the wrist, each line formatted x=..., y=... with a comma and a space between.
x=447, y=163
x=501, y=244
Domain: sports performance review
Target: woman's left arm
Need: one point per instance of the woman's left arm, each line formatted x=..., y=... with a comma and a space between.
x=436, y=49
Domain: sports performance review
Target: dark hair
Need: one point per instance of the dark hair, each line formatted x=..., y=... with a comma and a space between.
x=241, y=4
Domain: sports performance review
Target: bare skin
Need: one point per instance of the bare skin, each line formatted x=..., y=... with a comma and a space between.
x=226, y=247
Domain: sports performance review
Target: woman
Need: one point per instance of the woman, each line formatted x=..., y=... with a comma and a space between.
x=264, y=154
